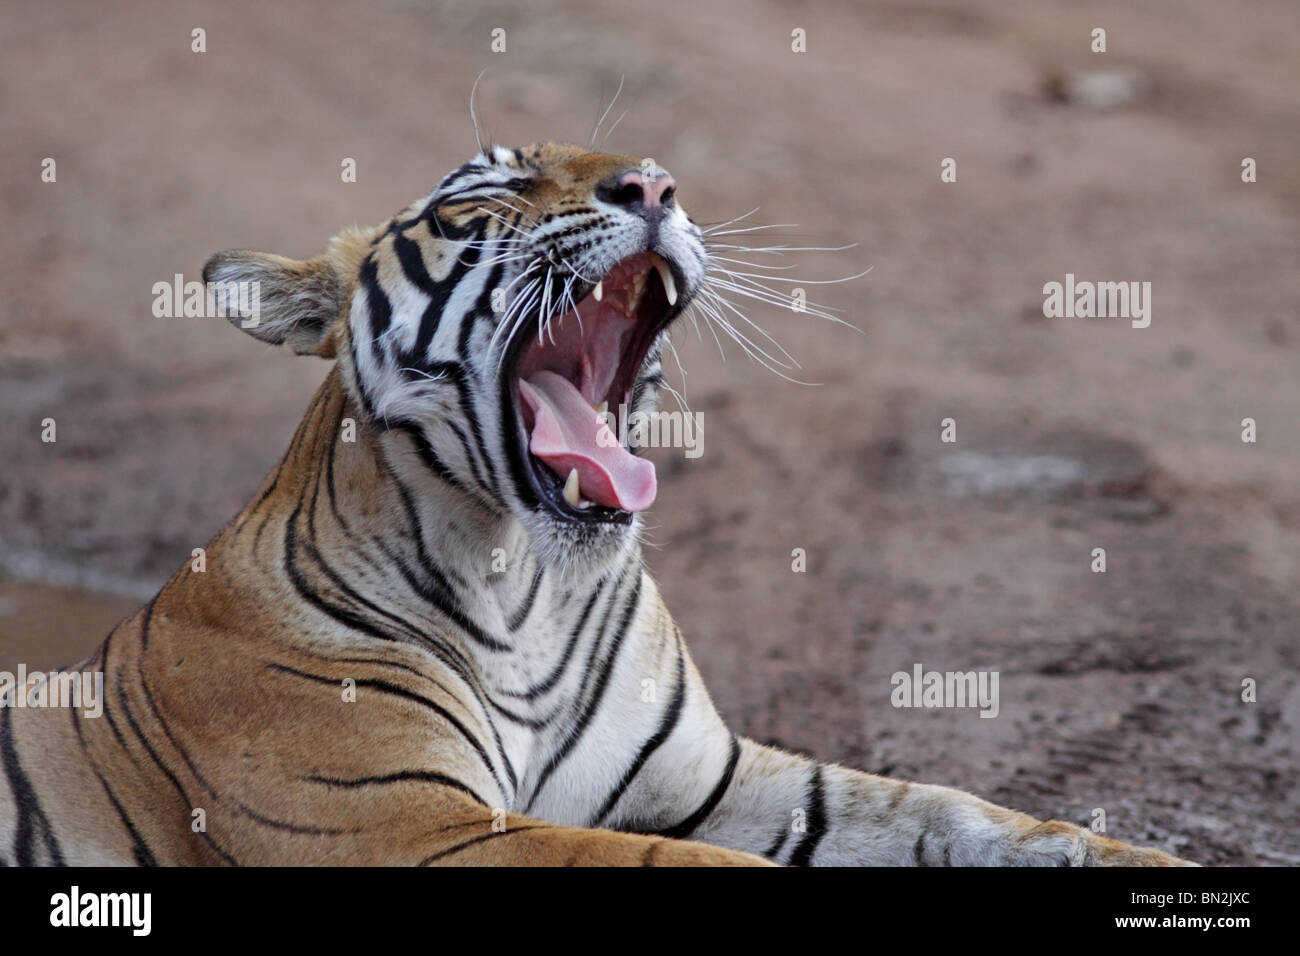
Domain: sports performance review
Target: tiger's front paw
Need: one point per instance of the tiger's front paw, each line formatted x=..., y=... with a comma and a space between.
x=1056, y=843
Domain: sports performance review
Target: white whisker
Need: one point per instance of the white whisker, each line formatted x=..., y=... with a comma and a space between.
x=718, y=301
x=473, y=115
x=776, y=250
x=596, y=132
x=506, y=222
x=695, y=309
x=753, y=265
x=610, y=132
x=714, y=226
x=752, y=275
x=681, y=369
x=419, y=371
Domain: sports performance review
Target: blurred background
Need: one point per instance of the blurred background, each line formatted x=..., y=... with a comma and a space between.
x=1119, y=691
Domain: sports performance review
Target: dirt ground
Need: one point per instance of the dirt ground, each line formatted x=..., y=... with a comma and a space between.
x=1120, y=691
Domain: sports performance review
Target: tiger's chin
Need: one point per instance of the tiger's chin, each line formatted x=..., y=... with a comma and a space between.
x=580, y=552
x=567, y=388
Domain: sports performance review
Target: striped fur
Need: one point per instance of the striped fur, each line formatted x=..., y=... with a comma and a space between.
x=522, y=695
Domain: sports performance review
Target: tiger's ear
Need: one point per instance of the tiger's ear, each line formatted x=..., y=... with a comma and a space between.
x=282, y=301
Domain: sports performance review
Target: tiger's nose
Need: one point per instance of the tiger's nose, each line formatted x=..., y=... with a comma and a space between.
x=656, y=190
x=639, y=192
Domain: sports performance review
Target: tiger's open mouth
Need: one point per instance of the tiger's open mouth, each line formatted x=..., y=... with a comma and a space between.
x=572, y=382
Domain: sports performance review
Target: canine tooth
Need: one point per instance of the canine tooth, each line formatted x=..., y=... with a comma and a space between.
x=638, y=290
x=571, y=488
x=603, y=407
x=599, y=291
x=670, y=287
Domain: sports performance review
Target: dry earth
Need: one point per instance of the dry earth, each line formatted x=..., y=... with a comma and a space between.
x=1118, y=690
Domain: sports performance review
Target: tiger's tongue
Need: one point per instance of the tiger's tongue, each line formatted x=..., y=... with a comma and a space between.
x=568, y=434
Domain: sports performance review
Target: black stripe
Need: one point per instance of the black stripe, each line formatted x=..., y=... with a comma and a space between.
x=401, y=225
x=295, y=828
x=688, y=826
x=429, y=321
x=479, y=478
x=515, y=445
x=593, y=704
x=329, y=487
x=427, y=455
x=355, y=544
x=271, y=482
x=534, y=691
x=589, y=673
x=458, y=174
x=412, y=261
x=470, y=228
x=517, y=619
x=32, y=820
x=451, y=657
x=401, y=776
x=300, y=584
x=153, y=704
x=441, y=595
x=478, y=839
x=309, y=549
x=342, y=614
x=482, y=305
x=446, y=653
x=532, y=723
x=443, y=600
x=468, y=401
x=399, y=691
x=803, y=852
x=145, y=624
x=439, y=292
x=667, y=724
x=438, y=591
x=366, y=403
x=395, y=665
x=381, y=312
x=481, y=309
x=274, y=480
x=108, y=678
x=257, y=535
x=775, y=848
x=175, y=782
x=447, y=578
x=139, y=849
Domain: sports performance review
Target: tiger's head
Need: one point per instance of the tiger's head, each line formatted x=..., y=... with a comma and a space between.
x=494, y=332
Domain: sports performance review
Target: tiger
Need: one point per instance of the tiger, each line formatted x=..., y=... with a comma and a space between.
x=428, y=638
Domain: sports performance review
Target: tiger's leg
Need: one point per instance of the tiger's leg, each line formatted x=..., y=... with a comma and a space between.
x=796, y=811
x=477, y=836
x=400, y=774
x=416, y=822
x=694, y=779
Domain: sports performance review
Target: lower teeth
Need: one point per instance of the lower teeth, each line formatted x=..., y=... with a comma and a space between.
x=571, y=493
